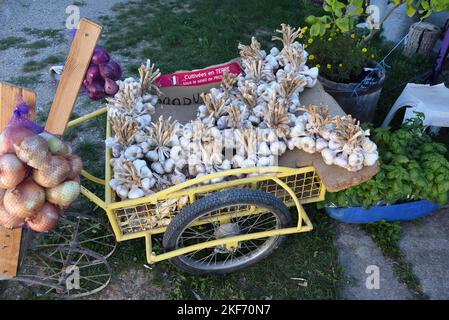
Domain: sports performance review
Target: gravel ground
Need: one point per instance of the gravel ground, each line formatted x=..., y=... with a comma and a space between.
x=16, y=16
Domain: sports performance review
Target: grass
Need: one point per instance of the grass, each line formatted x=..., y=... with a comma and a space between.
x=53, y=34
x=31, y=53
x=310, y=256
x=32, y=65
x=11, y=42
x=38, y=44
x=29, y=81
x=186, y=40
x=386, y=236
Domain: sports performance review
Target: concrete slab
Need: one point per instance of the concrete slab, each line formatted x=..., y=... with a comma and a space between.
x=360, y=257
x=426, y=246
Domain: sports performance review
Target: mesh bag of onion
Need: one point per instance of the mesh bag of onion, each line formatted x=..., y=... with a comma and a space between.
x=39, y=175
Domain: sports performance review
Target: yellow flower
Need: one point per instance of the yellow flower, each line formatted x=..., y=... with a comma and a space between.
x=304, y=29
x=340, y=65
x=305, y=46
x=318, y=66
x=329, y=66
x=330, y=39
x=300, y=36
x=311, y=57
x=364, y=50
x=328, y=25
x=310, y=40
x=373, y=56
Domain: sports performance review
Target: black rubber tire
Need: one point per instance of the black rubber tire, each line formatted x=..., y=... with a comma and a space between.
x=214, y=202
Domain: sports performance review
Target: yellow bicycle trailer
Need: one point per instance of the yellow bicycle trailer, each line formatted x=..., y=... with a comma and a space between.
x=214, y=227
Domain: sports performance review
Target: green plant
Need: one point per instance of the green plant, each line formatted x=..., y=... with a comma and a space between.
x=345, y=15
x=340, y=57
x=412, y=167
x=339, y=15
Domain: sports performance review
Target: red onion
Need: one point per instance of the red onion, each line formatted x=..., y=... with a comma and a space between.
x=44, y=220
x=110, y=70
x=110, y=87
x=95, y=90
x=92, y=73
x=100, y=55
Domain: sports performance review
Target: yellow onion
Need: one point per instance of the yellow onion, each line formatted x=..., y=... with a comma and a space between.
x=9, y=220
x=25, y=200
x=64, y=194
x=12, y=171
x=76, y=165
x=45, y=219
x=33, y=151
x=56, y=145
x=13, y=135
x=52, y=173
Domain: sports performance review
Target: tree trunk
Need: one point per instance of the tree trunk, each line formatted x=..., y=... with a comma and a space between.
x=421, y=39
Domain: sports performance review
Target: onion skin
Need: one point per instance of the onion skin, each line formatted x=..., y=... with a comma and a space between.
x=55, y=145
x=45, y=219
x=95, y=90
x=92, y=74
x=64, y=194
x=100, y=55
x=8, y=220
x=54, y=172
x=76, y=166
x=110, y=70
x=12, y=171
x=110, y=87
x=13, y=135
x=25, y=200
x=33, y=151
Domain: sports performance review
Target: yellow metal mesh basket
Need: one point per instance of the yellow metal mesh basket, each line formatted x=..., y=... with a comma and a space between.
x=153, y=215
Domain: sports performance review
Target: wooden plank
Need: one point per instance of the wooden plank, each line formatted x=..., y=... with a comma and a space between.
x=72, y=78
x=10, y=239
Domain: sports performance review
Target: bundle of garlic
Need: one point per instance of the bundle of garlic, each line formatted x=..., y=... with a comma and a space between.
x=349, y=146
x=137, y=99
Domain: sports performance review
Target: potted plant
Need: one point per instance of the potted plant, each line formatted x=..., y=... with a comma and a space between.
x=348, y=70
x=413, y=179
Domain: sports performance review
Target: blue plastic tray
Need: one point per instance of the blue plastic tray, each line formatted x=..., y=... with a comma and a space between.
x=395, y=212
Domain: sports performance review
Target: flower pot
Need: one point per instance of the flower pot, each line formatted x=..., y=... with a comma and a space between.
x=358, y=99
x=395, y=212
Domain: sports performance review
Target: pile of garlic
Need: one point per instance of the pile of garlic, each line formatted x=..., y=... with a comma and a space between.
x=141, y=148
x=249, y=121
x=265, y=99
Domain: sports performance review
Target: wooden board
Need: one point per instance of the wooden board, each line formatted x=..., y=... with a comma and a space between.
x=10, y=239
x=72, y=78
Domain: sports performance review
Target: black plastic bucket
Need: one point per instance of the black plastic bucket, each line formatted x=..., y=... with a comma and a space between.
x=358, y=99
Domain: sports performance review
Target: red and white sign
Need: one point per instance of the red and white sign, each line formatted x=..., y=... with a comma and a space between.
x=199, y=77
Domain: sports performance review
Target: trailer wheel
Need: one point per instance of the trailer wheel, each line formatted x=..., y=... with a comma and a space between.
x=225, y=215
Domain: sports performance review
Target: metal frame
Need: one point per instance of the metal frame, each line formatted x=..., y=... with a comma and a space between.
x=192, y=188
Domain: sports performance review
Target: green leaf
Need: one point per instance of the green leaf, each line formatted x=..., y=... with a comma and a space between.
x=411, y=10
x=311, y=19
x=315, y=29
x=342, y=23
x=327, y=8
